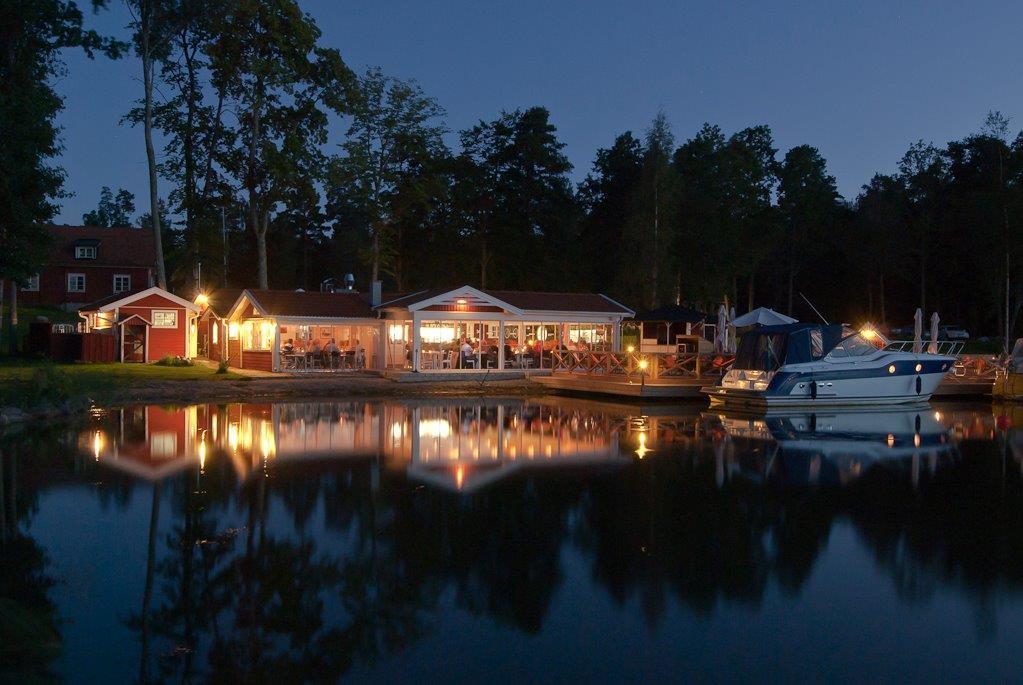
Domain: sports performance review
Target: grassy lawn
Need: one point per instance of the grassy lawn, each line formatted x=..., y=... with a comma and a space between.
x=105, y=375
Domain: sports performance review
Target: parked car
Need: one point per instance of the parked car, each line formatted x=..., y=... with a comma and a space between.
x=953, y=333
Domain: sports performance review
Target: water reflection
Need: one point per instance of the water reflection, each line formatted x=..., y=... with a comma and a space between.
x=306, y=541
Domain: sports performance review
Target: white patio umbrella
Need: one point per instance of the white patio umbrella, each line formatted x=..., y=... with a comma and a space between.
x=722, y=331
x=933, y=349
x=761, y=316
x=918, y=331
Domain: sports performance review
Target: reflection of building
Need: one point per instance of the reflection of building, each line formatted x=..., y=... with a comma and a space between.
x=460, y=446
x=150, y=442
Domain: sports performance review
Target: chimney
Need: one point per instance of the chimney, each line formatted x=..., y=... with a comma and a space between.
x=377, y=295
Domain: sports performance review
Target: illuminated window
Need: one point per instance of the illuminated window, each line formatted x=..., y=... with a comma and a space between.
x=31, y=284
x=163, y=444
x=215, y=332
x=122, y=283
x=166, y=318
x=85, y=252
x=76, y=283
x=257, y=335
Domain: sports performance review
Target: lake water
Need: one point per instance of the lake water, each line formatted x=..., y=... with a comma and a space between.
x=472, y=540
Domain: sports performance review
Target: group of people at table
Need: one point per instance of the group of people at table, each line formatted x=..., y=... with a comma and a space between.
x=329, y=356
x=483, y=354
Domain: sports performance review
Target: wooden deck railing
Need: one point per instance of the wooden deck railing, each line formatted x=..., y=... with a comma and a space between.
x=651, y=366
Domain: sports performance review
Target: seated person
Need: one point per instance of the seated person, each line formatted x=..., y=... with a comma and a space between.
x=289, y=346
x=467, y=354
x=360, y=354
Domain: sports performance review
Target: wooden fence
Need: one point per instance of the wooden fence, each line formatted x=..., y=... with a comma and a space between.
x=652, y=366
x=70, y=347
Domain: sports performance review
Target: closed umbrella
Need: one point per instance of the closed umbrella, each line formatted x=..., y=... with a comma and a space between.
x=722, y=332
x=934, y=333
x=918, y=331
x=731, y=331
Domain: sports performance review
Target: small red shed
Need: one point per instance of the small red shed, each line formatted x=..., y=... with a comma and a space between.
x=214, y=308
x=150, y=324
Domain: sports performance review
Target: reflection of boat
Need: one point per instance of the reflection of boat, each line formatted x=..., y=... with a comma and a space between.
x=835, y=445
x=805, y=364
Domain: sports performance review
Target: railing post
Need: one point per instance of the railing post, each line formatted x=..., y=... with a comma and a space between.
x=697, y=364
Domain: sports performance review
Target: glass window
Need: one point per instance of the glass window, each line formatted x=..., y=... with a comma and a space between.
x=760, y=352
x=167, y=318
x=215, y=332
x=259, y=334
x=85, y=252
x=122, y=283
x=76, y=283
x=854, y=345
x=31, y=284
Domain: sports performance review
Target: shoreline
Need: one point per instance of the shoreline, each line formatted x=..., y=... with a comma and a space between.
x=252, y=388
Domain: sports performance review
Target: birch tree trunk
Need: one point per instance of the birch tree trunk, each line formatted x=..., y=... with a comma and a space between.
x=146, y=48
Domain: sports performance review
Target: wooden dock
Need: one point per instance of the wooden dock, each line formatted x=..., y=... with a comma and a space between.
x=676, y=388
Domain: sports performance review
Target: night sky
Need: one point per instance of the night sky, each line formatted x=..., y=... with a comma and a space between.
x=861, y=81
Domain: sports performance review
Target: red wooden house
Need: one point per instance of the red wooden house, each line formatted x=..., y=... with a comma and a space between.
x=87, y=263
x=150, y=324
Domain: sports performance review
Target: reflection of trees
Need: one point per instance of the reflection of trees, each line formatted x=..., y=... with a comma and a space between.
x=29, y=636
x=323, y=565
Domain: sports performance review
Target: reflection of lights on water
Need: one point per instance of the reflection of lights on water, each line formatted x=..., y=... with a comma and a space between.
x=891, y=440
x=459, y=477
x=916, y=440
x=97, y=444
x=232, y=436
x=434, y=428
x=642, y=450
x=396, y=431
x=937, y=416
x=202, y=455
x=266, y=440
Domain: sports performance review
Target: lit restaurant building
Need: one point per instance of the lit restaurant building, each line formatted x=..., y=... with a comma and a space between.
x=442, y=330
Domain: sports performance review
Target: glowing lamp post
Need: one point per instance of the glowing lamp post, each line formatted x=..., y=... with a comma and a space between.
x=643, y=363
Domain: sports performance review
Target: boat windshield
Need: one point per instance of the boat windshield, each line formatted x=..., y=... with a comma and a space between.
x=763, y=352
x=854, y=345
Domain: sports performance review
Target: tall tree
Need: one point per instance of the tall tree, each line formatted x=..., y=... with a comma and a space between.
x=807, y=205
x=112, y=210
x=33, y=34
x=150, y=30
x=282, y=84
x=514, y=199
x=923, y=170
x=392, y=138
x=607, y=197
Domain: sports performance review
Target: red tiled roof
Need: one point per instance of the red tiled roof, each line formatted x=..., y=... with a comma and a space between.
x=94, y=306
x=221, y=300
x=522, y=299
x=292, y=303
x=559, y=302
x=117, y=246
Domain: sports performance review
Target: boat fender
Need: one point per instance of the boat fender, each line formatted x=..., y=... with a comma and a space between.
x=813, y=390
x=918, y=385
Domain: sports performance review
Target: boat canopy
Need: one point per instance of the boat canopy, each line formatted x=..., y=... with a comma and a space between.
x=769, y=347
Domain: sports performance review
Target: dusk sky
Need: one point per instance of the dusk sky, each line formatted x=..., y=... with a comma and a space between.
x=860, y=81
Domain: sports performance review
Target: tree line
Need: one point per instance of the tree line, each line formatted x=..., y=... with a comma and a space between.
x=282, y=167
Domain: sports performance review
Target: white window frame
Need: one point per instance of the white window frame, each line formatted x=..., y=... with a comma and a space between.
x=31, y=285
x=172, y=312
x=85, y=252
x=122, y=290
x=74, y=277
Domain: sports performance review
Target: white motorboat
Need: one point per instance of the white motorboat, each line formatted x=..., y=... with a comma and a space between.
x=806, y=364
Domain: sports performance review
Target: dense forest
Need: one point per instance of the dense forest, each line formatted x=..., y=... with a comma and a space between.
x=280, y=166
